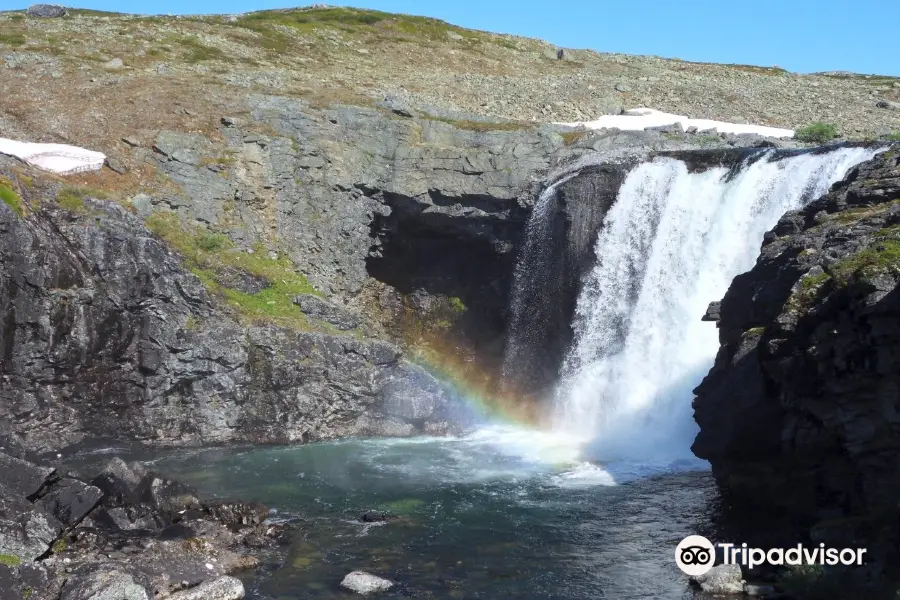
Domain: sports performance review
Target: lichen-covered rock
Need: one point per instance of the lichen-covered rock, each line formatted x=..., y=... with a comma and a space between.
x=800, y=411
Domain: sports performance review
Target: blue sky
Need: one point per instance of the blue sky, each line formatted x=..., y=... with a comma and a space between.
x=799, y=35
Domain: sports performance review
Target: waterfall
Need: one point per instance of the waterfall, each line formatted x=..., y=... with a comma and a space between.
x=670, y=244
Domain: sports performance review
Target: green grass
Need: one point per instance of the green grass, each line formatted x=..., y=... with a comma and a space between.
x=207, y=254
x=10, y=560
x=816, y=133
x=894, y=136
x=12, y=39
x=197, y=51
x=882, y=255
x=11, y=198
x=72, y=199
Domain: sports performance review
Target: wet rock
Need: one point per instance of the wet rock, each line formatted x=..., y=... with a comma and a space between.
x=377, y=516
x=238, y=513
x=101, y=584
x=365, y=583
x=323, y=310
x=223, y=588
x=46, y=11
x=166, y=494
x=70, y=500
x=713, y=312
x=721, y=579
x=759, y=591
x=118, y=482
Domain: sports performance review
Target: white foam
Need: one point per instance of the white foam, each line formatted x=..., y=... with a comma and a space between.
x=61, y=159
x=638, y=119
x=672, y=242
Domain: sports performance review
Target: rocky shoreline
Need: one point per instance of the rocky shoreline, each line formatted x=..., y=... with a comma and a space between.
x=124, y=533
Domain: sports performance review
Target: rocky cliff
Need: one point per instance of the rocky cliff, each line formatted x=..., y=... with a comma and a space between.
x=799, y=412
x=106, y=333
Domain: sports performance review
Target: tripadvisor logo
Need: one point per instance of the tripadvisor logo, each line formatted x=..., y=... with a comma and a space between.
x=695, y=555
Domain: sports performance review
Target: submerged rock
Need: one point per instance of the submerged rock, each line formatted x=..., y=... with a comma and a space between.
x=365, y=583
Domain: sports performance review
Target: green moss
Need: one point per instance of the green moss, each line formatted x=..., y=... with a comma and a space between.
x=756, y=331
x=10, y=560
x=482, y=125
x=457, y=304
x=197, y=51
x=882, y=255
x=60, y=545
x=11, y=198
x=208, y=254
x=816, y=133
x=72, y=200
x=894, y=136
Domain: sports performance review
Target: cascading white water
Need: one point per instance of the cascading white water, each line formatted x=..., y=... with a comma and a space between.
x=670, y=245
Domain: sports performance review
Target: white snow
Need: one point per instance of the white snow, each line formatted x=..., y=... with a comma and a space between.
x=59, y=158
x=638, y=119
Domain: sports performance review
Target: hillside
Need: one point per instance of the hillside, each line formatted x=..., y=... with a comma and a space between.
x=91, y=77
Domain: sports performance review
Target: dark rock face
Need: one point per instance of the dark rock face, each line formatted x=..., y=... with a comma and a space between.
x=96, y=325
x=800, y=411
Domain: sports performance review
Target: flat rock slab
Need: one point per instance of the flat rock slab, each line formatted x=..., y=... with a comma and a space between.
x=23, y=478
x=365, y=583
x=223, y=588
x=70, y=500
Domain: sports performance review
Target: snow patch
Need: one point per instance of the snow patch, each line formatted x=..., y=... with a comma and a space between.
x=638, y=119
x=58, y=158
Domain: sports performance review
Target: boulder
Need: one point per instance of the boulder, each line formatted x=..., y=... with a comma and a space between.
x=26, y=530
x=167, y=495
x=103, y=584
x=22, y=477
x=365, y=583
x=70, y=500
x=223, y=588
x=721, y=579
x=46, y=11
